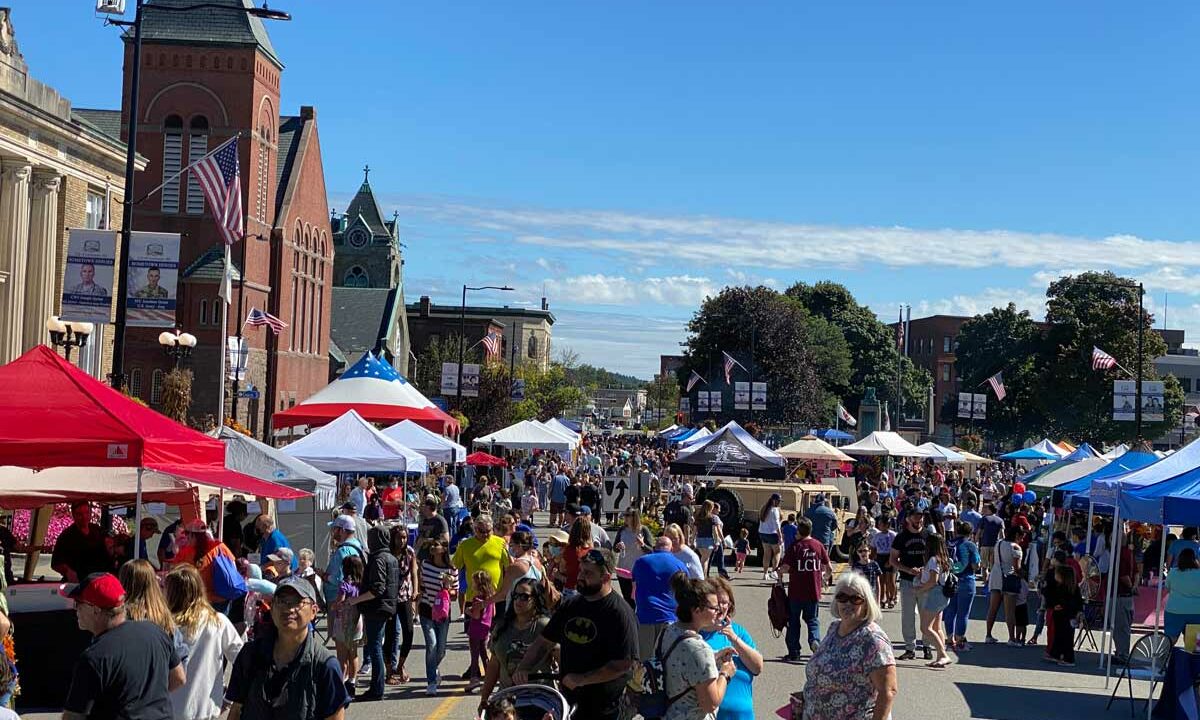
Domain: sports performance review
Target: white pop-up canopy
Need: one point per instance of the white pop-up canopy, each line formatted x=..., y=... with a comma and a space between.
x=561, y=431
x=434, y=447
x=941, y=454
x=249, y=456
x=351, y=444
x=811, y=447
x=528, y=435
x=882, y=442
x=695, y=438
x=556, y=424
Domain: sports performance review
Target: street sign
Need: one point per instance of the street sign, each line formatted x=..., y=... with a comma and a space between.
x=518, y=390
x=251, y=394
x=617, y=494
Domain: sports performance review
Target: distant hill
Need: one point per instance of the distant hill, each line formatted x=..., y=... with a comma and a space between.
x=585, y=375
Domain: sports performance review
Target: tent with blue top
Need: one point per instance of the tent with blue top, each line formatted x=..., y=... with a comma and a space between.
x=828, y=434
x=1076, y=494
x=1045, y=450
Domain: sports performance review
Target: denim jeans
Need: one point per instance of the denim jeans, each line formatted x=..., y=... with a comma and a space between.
x=958, y=610
x=373, y=629
x=435, y=645
x=806, y=610
x=718, y=559
x=401, y=636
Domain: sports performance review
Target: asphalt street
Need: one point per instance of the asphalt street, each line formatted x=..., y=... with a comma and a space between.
x=989, y=681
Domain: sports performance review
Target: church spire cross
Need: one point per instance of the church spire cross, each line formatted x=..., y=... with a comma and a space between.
x=366, y=173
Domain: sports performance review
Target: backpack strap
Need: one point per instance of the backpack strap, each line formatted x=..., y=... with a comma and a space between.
x=662, y=660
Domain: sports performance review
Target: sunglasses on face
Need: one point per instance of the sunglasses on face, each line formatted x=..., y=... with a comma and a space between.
x=522, y=596
x=851, y=599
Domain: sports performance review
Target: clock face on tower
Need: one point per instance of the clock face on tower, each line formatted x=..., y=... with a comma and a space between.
x=357, y=237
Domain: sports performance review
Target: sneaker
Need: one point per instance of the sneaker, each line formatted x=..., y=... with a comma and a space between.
x=990, y=640
x=927, y=654
x=431, y=689
x=1014, y=643
x=1064, y=663
x=908, y=655
x=964, y=646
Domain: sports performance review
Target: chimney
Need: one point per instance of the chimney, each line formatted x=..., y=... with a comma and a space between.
x=424, y=306
x=545, y=304
x=308, y=112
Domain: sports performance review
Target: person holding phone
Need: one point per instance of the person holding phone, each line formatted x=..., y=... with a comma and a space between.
x=729, y=640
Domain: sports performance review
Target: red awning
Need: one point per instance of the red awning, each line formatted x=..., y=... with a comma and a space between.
x=316, y=414
x=482, y=458
x=52, y=414
x=219, y=477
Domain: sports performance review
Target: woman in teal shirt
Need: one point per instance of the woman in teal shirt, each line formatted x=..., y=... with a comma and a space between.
x=738, y=703
x=1183, y=603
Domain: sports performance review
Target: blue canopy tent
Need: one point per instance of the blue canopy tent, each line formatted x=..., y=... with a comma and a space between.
x=828, y=434
x=1029, y=453
x=1083, y=452
x=1076, y=495
x=680, y=437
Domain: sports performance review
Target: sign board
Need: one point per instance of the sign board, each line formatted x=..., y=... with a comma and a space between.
x=449, y=378
x=758, y=396
x=972, y=406
x=236, y=356
x=618, y=493
x=702, y=401
x=440, y=402
x=1125, y=400
x=251, y=394
x=89, y=281
x=741, y=395
x=518, y=390
x=470, y=380
x=714, y=401
x=153, y=276
x=685, y=404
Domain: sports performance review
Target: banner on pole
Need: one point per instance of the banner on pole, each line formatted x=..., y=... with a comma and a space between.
x=975, y=403
x=685, y=404
x=470, y=379
x=449, y=384
x=518, y=390
x=741, y=395
x=236, y=357
x=714, y=401
x=88, y=284
x=1125, y=400
x=758, y=396
x=702, y=401
x=153, y=276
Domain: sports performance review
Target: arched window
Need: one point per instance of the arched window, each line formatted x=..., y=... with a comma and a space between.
x=295, y=305
x=533, y=347
x=356, y=277
x=172, y=161
x=156, y=381
x=203, y=312
x=135, y=382
x=197, y=148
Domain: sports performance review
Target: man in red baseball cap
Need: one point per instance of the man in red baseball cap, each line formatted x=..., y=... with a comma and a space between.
x=130, y=667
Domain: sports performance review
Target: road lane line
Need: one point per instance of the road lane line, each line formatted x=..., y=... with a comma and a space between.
x=444, y=707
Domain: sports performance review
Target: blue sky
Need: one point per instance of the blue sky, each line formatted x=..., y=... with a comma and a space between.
x=632, y=158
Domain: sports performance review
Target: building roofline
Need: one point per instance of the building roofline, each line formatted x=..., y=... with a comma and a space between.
x=479, y=310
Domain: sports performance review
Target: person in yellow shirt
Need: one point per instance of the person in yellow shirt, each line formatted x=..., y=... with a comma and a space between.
x=484, y=552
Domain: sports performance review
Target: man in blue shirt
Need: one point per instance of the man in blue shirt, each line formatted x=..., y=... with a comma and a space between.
x=971, y=516
x=452, y=500
x=654, y=601
x=272, y=540
x=344, y=545
x=558, y=498
x=1188, y=542
x=824, y=521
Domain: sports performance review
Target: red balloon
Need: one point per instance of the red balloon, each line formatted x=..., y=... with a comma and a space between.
x=1018, y=488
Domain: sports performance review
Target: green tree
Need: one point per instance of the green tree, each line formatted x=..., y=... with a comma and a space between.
x=1007, y=341
x=427, y=375
x=550, y=391
x=662, y=393
x=784, y=356
x=872, y=348
x=1097, y=310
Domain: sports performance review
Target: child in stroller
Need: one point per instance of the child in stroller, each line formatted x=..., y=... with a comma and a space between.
x=527, y=702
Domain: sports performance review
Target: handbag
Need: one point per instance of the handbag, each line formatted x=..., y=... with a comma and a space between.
x=1011, y=583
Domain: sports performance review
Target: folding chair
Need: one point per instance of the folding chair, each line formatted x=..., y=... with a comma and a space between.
x=1147, y=661
x=1093, y=616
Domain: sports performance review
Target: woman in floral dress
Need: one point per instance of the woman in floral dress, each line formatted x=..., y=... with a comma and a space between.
x=852, y=674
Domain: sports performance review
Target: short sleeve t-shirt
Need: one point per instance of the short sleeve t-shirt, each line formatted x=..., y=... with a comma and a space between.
x=990, y=528
x=256, y=666
x=509, y=647
x=739, y=693
x=688, y=664
x=123, y=675
x=85, y=554
x=490, y=557
x=911, y=548
x=652, y=587
x=839, y=684
x=806, y=560
x=432, y=528
x=882, y=542
x=590, y=634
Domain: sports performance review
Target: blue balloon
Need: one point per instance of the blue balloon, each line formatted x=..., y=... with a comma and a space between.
x=1029, y=496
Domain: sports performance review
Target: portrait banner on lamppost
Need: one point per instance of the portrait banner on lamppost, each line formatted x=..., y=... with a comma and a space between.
x=88, y=284
x=741, y=395
x=152, y=280
x=758, y=396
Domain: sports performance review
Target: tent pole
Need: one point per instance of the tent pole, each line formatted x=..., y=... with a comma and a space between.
x=1087, y=543
x=221, y=516
x=1111, y=588
x=137, y=519
x=1158, y=594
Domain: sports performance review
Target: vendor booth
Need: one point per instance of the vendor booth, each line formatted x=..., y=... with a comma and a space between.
x=435, y=448
x=730, y=451
x=350, y=444
x=939, y=454
x=374, y=389
x=529, y=435
x=883, y=443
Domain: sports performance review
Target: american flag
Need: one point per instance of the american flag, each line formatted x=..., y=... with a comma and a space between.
x=730, y=363
x=900, y=332
x=1101, y=360
x=695, y=378
x=491, y=341
x=258, y=318
x=997, y=384
x=221, y=181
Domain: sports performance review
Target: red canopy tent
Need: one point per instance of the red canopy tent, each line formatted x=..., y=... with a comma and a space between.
x=482, y=458
x=52, y=414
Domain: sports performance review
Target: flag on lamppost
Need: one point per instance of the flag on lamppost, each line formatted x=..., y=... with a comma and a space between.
x=491, y=342
x=845, y=416
x=695, y=378
x=1102, y=360
x=730, y=363
x=997, y=384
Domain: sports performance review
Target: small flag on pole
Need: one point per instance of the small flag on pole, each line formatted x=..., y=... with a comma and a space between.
x=997, y=384
x=695, y=378
x=730, y=363
x=1102, y=360
x=491, y=342
x=887, y=419
x=258, y=318
x=226, y=291
x=845, y=416
x=221, y=180
x=900, y=332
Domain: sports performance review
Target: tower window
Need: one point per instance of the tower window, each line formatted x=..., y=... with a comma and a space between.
x=156, y=382
x=357, y=277
x=197, y=148
x=172, y=162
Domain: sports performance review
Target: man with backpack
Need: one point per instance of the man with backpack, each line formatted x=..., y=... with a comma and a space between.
x=342, y=529
x=806, y=563
x=381, y=588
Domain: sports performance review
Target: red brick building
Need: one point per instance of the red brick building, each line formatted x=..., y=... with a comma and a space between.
x=207, y=76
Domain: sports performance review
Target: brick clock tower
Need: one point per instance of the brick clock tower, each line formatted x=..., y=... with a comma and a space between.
x=207, y=76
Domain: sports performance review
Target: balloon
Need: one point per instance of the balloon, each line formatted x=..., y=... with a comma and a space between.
x=1029, y=496
x=1019, y=489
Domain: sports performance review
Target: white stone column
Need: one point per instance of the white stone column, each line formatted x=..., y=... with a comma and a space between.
x=14, y=237
x=41, y=270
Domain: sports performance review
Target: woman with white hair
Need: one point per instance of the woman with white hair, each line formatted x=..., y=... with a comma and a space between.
x=852, y=674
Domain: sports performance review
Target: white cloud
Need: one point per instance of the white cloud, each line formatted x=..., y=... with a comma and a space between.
x=621, y=342
x=600, y=289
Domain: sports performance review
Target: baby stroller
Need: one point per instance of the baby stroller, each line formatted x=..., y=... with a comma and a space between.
x=535, y=702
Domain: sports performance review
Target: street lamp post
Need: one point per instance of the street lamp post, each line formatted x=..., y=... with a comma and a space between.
x=67, y=335
x=117, y=378
x=177, y=345
x=462, y=336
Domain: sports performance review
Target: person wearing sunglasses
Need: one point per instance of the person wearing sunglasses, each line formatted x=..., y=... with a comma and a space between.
x=852, y=674
x=695, y=678
x=596, y=633
x=523, y=622
x=725, y=632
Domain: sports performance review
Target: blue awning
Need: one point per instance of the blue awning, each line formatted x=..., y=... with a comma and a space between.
x=831, y=434
x=1077, y=493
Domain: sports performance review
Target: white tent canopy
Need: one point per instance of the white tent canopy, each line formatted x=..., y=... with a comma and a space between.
x=1068, y=472
x=1049, y=447
x=697, y=437
x=882, y=442
x=249, y=456
x=528, y=435
x=562, y=432
x=1116, y=452
x=556, y=424
x=351, y=444
x=811, y=447
x=941, y=454
x=434, y=447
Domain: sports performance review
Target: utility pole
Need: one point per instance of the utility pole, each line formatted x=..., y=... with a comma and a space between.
x=1141, y=290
